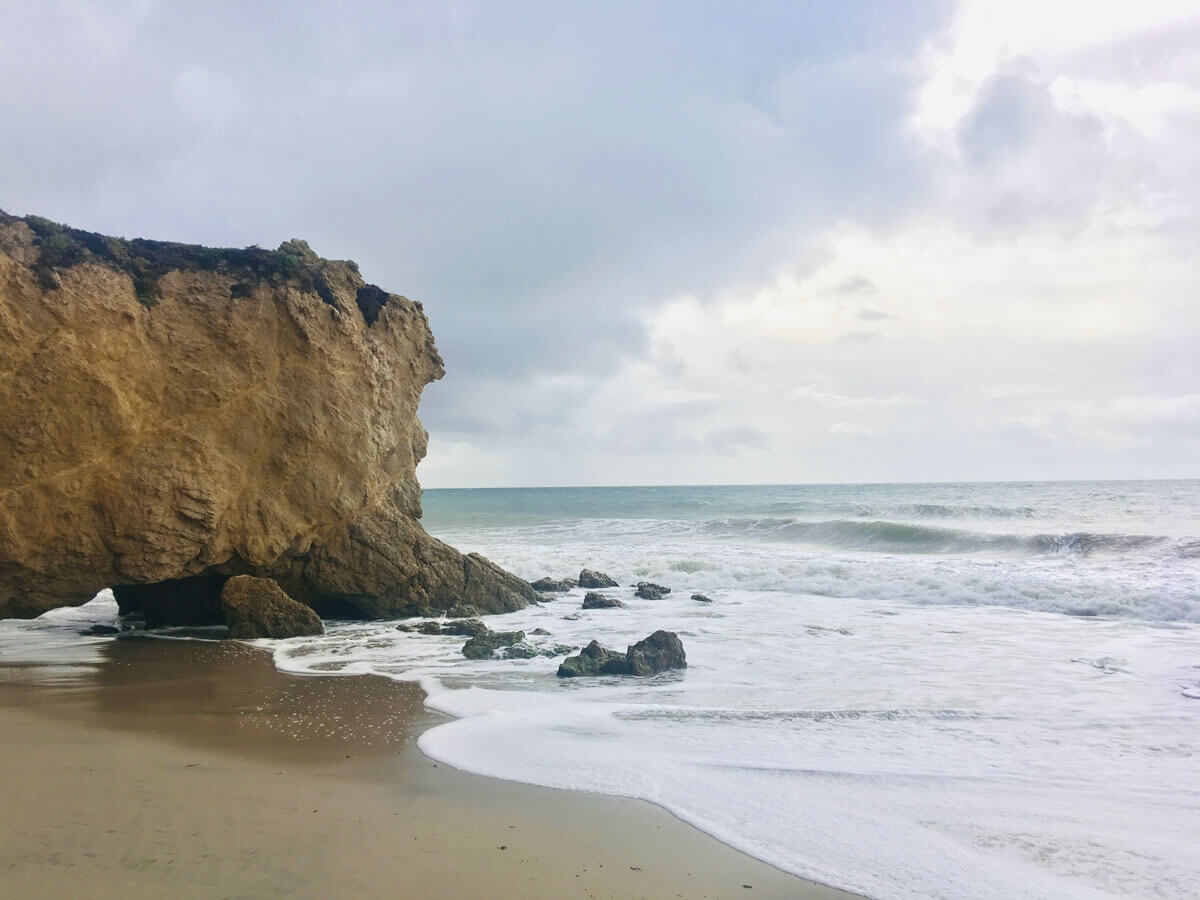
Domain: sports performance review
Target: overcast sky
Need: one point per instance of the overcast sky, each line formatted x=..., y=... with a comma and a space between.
x=686, y=242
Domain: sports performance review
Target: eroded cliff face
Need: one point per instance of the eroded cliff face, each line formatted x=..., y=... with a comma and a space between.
x=172, y=412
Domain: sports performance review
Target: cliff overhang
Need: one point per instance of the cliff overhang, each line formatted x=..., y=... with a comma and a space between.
x=172, y=415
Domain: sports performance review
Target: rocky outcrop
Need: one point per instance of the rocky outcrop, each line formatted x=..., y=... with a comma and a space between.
x=592, y=600
x=259, y=608
x=484, y=646
x=592, y=660
x=648, y=590
x=659, y=652
x=173, y=415
x=552, y=586
x=590, y=579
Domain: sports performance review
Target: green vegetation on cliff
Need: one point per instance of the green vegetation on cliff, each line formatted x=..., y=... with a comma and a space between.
x=61, y=247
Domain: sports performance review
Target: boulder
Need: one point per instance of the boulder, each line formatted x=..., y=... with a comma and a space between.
x=525, y=650
x=552, y=586
x=173, y=415
x=700, y=598
x=593, y=660
x=471, y=627
x=657, y=653
x=590, y=579
x=484, y=646
x=592, y=600
x=259, y=608
x=648, y=590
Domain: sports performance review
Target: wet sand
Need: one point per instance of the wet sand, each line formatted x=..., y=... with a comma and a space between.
x=187, y=769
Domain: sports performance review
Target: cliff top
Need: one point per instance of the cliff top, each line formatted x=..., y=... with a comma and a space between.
x=60, y=247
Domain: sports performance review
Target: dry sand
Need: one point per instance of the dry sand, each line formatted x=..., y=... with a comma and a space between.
x=187, y=769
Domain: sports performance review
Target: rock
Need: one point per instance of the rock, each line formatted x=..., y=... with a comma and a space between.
x=483, y=646
x=540, y=631
x=592, y=660
x=700, y=598
x=660, y=651
x=472, y=627
x=463, y=611
x=519, y=650
x=525, y=650
x=590, y=579
x=259, y=608
x=592, y=600
x=100, y=630
x=551, y=586
x=172, y=415
x=648, y=590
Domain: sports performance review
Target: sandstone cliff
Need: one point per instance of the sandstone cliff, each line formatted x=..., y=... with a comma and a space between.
x=171, y=415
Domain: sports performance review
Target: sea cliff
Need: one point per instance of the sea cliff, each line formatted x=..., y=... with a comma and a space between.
x=172, y=415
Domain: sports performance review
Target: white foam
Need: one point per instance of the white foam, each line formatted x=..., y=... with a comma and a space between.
x=896, y=750
x=54, y=638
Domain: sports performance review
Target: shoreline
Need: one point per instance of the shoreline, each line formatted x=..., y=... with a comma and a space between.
x=199, y=769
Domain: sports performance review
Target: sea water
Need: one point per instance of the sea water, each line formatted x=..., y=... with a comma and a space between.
x=978, y=690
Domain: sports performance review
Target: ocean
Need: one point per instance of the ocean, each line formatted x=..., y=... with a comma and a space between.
x=943, y=690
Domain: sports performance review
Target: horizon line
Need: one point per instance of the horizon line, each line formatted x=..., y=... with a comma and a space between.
x=543, y=487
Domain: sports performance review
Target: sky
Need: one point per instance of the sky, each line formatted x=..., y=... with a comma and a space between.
x=684, y=242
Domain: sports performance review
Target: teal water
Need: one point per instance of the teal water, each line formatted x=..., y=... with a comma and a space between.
x=1128, y=548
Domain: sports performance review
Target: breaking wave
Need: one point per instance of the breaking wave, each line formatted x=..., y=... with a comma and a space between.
x=907, y=537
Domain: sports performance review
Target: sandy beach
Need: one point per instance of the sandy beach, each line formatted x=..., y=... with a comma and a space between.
x=197, y=770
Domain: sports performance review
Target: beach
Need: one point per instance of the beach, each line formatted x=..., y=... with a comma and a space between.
x=195, y=769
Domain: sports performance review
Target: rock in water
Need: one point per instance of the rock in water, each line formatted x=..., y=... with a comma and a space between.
x=661, y=651
x=483, y=646
x=590, y=579
x=592, y=600
x=648, y=590
x=171, y=415
x=592, y=660
x=259, y=608
x=701, y=598
x=551, y=586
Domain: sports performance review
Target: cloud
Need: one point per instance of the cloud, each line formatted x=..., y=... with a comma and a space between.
x=683, y=242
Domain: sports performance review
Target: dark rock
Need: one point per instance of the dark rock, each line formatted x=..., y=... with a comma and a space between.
x=661, y=651
x=99, y=630
x=525, y=650
x=552, y=586
x=484, y=646
x=593, y=660
x=259, y=608
x=463, y=611
x=590, y=579
x=540, y=631
x=700, y=598
x=648, y=590
x=519, y=650
x=592, y=600
x=471, y=627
